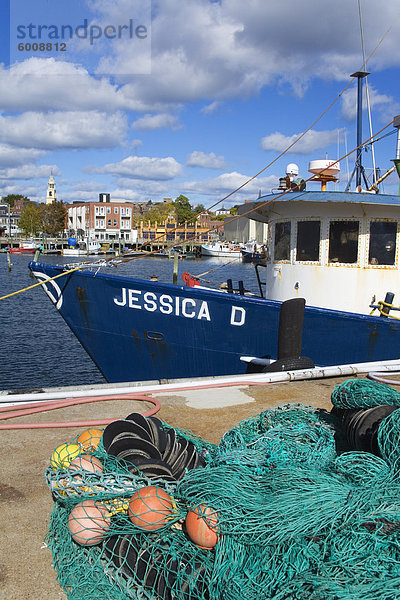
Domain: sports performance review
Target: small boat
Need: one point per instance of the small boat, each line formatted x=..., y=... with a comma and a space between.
x=222, y=249
x=25, y=248
x=254, y=253
x=83, y=249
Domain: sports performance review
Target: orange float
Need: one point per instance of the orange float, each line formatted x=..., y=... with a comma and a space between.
x=201, y=526
x=90, y=438
x=150, y=508
x=88, y=522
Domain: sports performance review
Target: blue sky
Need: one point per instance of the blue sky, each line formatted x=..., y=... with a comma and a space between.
x=199, y=99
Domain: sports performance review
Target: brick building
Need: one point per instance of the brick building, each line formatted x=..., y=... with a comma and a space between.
x=103, y=220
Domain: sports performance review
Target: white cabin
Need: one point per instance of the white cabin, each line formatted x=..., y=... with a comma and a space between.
x=82, y=248
x=335, y=249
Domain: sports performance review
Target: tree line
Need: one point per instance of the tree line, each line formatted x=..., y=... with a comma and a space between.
x=180, y=208
x=39, y=218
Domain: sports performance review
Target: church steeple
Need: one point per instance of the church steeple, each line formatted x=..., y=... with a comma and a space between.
x=51, y=191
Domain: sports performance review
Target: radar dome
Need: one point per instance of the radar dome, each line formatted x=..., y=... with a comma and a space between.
x=324, y=168
x=292, y=169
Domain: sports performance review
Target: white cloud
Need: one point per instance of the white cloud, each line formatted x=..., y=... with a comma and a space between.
x=311, y=141
x=146, y=188
x=211, y=108
x=87, y=186
x=210, y=50
x=10, y=156
x=79, y=195
x=377, y=100
x=127, y=194
x=33, y=192
x=208, y=161
x=141, y=167
x=89, y=129
x=30, y=171
x=47, y=84
x=228, y=182
x=161, y=121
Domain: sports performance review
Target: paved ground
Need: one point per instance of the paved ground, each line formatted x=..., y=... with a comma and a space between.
x=25, y=502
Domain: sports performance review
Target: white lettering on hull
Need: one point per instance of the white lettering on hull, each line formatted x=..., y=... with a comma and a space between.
x=188, y=308
x=238, y=315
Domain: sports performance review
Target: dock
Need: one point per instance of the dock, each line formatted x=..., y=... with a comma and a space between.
x=206, y=407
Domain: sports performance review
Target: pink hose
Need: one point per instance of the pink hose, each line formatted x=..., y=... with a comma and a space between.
x=10, y=412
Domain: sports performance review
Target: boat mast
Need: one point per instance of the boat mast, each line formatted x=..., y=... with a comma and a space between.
x=358, y=169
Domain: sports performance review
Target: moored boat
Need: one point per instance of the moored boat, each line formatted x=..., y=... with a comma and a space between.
x=83, y=248
x=221, y=249
x=254, y=253
x=28, y=247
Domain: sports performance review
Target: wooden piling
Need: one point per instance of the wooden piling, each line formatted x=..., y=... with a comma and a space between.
x=175, y=276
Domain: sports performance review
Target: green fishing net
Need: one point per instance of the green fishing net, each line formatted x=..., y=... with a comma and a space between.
x=274, y=511
x=364, y=393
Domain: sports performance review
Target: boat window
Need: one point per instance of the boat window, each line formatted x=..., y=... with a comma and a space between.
x=343, y=241
x=282, y=241
x=382, y=243
x=308, y=235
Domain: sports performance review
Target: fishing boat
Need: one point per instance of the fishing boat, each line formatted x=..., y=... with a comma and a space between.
x=83, y=248
x=24, y=248
x=331, y=273
x=221, y=249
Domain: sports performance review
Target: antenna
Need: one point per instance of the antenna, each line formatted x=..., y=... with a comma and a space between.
x=367, y=91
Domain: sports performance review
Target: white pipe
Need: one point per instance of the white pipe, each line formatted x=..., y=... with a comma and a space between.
x=203, y=382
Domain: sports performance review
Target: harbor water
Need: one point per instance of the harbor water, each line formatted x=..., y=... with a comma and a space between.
x=38, y=349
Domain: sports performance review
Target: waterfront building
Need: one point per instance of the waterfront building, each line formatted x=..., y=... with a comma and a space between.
x=244, y=229
x=5, y=218
x=105, y=220
x=170, y=232
x=9, y=218
x=222, y=211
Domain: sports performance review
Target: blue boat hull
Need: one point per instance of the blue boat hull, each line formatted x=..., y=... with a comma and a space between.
x=137, y=330
x=253, y=257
